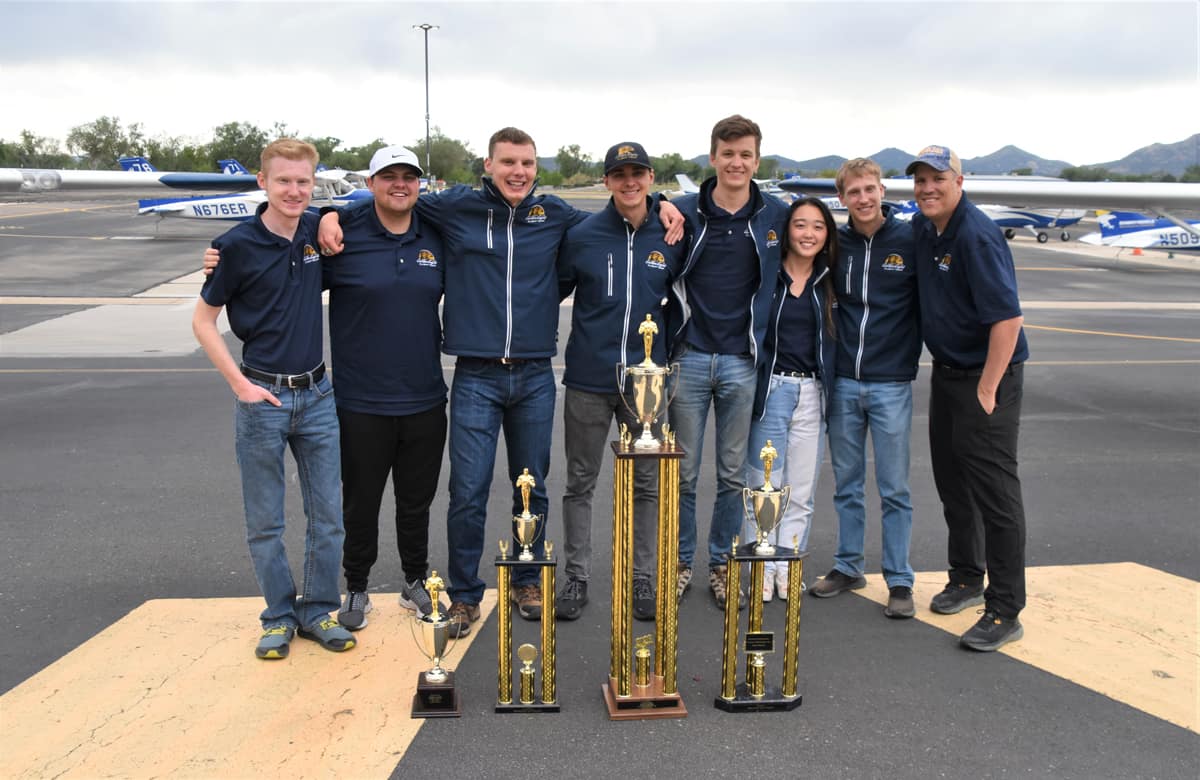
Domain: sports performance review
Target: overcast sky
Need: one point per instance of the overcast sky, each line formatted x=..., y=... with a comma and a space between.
x=1083, y=82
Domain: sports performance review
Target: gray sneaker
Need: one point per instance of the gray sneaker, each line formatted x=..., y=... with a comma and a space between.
x=643, y=599
x=353, y=614
x=414, y=596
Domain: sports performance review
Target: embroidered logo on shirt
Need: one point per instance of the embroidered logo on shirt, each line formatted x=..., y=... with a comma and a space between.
x=310, y=254
x=893, y=262
x=944, y=263
x=536, y=214
x=772, y=238
x=656, y=260
x=426, y=258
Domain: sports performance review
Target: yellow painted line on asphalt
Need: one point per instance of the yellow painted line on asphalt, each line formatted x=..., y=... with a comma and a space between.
x=1027, y=326
x=65, y=210
x=1127, y=631
x=174, y=690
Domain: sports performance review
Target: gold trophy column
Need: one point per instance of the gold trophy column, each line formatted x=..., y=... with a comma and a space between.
x=666, y=646
x=791, y=633
x=733, y=581
x=504, y=633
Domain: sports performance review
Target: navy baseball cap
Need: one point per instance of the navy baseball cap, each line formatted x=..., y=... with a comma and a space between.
x=626, y=153
x=940, y=158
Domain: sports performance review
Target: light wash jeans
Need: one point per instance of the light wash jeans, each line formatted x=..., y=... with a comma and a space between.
x=792, y=422
x=484, y=398
x=727, y=383
x=884, y=409
x=306, y=423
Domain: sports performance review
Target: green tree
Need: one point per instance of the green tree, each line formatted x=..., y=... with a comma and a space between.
x=168, y=153
x=1191, y=173
x=241, y=141
x=768, y=168
x=669, y=165
x=571, y=162
x=449, y=159
x=1021, y=172
x=33, y=151
x=104, y=140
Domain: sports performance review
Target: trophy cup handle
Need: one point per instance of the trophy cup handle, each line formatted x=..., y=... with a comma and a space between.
x=621, y=377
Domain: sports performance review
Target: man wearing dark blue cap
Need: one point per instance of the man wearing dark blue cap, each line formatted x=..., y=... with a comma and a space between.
x=971, y=322
x=619, y=265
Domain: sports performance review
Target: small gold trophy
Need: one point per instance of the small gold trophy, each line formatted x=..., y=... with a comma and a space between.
x=527, y=524
x=649, y=388
x=436, y=696
x=765, y=506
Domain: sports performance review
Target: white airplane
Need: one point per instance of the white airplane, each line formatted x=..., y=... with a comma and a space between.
x=139, y=175
x=1127, y=229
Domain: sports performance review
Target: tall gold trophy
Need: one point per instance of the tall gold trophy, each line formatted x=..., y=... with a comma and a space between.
x=635, y=690
x=526, y=527
x=764, y=509
x=436, y=696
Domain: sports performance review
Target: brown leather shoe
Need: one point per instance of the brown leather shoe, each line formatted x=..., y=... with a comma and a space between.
x=528, y=599
x=462, y=615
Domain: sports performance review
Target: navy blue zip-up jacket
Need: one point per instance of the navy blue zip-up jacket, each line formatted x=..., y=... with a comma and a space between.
x=878, y=321
x=501, y=286
x=768, y=231
x=619, y=273
x=826, y=349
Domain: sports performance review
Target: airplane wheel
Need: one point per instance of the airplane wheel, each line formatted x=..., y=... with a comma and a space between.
x=1043, y=238
x=1065, y=236
x=1009, y=233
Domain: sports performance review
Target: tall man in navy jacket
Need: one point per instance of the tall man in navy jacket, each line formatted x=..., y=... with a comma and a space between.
x=971, y=321
x=719, y=310
x=878, y=345
x=619, y=265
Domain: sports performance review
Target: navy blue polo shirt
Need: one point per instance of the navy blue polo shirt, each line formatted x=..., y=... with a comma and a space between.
x=796, y=348
x=384, y=331
x=724, y=279
x=271, y=290
x=966, y=283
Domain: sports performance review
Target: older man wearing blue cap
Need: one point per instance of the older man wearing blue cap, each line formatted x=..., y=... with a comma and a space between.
x=971, y=322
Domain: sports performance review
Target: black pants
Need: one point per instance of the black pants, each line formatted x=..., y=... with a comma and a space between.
x=409, y=447
x=975, y=469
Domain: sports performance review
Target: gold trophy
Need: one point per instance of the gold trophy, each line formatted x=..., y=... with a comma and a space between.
x=649, y=386
x=526, y=526
x=765, y=506
x=436, y=696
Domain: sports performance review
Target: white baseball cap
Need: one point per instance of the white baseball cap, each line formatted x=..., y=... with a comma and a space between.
x=394, y=155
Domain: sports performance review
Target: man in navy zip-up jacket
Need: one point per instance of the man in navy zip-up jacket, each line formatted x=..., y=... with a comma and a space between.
x=619, y=266
x=879, y=343
x=719, y=310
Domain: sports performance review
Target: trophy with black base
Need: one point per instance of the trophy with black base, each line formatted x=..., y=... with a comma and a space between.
x=764, y=508
x=436, y=696
x=643, y=684
x=526, y=527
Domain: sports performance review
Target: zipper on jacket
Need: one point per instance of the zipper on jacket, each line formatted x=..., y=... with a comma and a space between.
x=866, y=312
x=610, y=272
x=629, y=234
x=489, y=229
x=508, y=316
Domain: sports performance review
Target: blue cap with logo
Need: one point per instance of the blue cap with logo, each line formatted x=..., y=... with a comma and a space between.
x=626, y=153
x=940, y=158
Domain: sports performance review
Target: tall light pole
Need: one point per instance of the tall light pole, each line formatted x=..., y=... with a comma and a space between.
x=428, y=168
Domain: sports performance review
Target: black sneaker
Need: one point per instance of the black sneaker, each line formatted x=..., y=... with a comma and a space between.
x=571, y=599
x=992, y=632
x=643, y=599
x=956, y=597
x=900, y=603
x=353, y=614
x=834, y=583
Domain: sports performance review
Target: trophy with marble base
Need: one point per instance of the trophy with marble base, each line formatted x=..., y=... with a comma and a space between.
x=436, y=696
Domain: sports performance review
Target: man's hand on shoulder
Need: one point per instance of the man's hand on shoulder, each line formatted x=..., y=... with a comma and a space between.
x=329, y=235
x=212, y=258
x=672, y=220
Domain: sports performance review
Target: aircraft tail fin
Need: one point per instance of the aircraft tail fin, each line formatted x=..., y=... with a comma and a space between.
x=232, y=167
x=136, y=164
x=686, y=184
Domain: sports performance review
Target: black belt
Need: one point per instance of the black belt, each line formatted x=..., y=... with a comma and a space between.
x=501, y=361
x=797, y=374
x=950, y=372
x=293, y=381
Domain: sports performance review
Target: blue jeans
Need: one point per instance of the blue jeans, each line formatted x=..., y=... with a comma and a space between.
x=727, y=383
x=485, y=397
x=885, y=409
x=792, y=423
x=307, y=423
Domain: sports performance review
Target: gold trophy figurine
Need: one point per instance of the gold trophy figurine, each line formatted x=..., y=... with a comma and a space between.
x=527, y=524
x=436, y=696
x=765, y=506
x=649, y=388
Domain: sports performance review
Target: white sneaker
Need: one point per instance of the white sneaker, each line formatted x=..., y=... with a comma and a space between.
x=781, y=580
x=768, y=582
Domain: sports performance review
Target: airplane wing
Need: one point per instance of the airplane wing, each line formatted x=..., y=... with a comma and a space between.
x=50, y=180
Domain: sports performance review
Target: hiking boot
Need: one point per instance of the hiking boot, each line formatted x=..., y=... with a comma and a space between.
x=462, y=615
x=274, y=642
x=900, y=603
x=956, y=597
x=643, y=599
x=716, y=584
x=414, y=596
x=992, y=632
x=528, y=599
x=768, y=589
x=834, y=583
x=570, y=601
x=329, y=635
x=353, y=614
x=683, y=579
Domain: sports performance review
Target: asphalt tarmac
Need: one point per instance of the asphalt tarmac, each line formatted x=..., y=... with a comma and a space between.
x=120, y=485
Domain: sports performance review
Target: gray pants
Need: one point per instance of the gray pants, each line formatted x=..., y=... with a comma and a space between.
x=587, y=420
